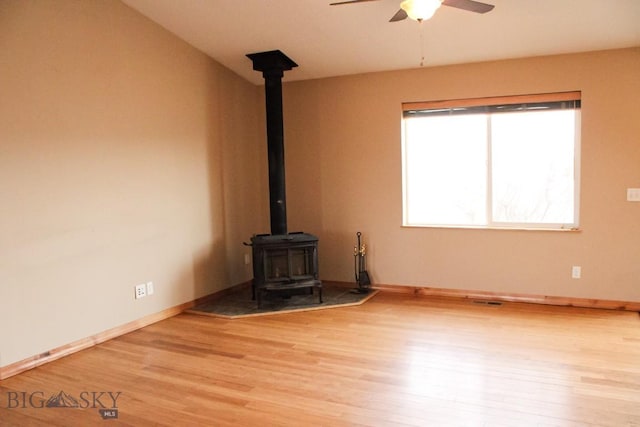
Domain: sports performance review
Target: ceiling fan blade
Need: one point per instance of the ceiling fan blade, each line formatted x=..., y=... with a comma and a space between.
x=399, y=16
x=470, y=5
x=338, y=3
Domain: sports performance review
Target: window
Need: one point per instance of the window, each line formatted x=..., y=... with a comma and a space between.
x=506, y=162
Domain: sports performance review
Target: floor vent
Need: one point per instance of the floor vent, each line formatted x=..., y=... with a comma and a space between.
x=487, y=302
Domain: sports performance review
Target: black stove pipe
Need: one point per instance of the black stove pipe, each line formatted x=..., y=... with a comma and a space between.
x=273, y=64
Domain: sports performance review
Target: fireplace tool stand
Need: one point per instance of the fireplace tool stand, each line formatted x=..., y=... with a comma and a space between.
x=360, y=267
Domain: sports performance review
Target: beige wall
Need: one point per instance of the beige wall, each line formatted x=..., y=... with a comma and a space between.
x=126, y=156
x=344, y=172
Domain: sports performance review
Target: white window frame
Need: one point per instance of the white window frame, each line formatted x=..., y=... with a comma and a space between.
x=490, y=102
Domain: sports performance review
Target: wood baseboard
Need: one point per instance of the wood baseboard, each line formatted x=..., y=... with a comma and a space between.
x=65, y=350
x=84, y=343
x=526, y=298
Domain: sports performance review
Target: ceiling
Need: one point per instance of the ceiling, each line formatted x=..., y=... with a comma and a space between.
x=357, y=38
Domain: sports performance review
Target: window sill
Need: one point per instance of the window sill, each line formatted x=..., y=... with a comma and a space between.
x=485, y=227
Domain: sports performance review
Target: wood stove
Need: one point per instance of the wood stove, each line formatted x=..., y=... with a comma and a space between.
x=282, y=261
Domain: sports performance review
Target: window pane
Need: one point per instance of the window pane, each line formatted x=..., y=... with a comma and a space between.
x=533, y=167
x=445, y=170
x=525, y=151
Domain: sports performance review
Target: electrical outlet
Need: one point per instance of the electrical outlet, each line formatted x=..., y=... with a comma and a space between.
x=247, y=259
x=150, y=288
x=576, y=272
x=141, y=291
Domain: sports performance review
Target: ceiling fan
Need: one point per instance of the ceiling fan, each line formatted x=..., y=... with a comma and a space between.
x=421, y=10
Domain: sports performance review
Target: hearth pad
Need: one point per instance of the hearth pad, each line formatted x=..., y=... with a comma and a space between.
x=238, y=303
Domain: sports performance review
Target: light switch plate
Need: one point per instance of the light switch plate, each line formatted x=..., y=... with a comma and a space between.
x=633, y=194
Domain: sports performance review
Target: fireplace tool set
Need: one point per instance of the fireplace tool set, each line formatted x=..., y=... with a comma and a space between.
x=360, y=267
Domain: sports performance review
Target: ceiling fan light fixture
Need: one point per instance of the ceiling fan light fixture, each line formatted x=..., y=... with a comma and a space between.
x=420, y=10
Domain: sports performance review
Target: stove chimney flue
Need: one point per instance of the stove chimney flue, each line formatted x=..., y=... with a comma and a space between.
x=273, y=64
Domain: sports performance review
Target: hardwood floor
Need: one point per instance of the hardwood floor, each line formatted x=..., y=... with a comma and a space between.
x=398, y=360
